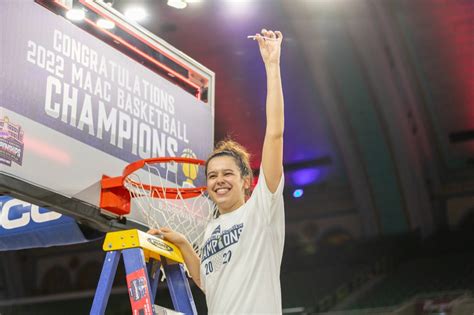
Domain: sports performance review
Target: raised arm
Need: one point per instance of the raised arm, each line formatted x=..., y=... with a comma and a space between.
x=272, y=153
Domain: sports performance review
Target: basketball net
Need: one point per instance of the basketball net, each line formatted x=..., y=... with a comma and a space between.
x=159, y=191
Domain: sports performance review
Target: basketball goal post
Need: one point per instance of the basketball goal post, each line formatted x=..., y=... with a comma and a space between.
x=79, y=101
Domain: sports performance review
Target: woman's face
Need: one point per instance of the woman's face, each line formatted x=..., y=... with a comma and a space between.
x=225, y=184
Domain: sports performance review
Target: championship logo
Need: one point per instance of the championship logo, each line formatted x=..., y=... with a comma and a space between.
x=11, y=142
x=190, y=171
x=217, y=250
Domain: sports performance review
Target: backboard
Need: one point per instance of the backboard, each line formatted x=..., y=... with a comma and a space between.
x=78, y=101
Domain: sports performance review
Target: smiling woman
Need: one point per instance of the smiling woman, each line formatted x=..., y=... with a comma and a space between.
x=241, y=157
x=239, y=264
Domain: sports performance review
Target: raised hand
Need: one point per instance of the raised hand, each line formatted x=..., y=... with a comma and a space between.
x=270, y=46
x=191, y=259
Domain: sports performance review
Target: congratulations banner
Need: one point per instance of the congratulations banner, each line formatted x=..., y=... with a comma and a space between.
x=62, y=77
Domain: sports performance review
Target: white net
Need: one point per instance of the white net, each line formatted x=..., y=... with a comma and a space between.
x=150, y=194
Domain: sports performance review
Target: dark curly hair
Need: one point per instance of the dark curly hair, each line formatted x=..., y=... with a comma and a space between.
x=240, y=155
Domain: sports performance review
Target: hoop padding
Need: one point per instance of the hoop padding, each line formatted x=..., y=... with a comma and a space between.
x=166, y=197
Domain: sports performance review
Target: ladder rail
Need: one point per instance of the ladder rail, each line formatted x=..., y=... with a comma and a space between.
x=107, y=276
x=137, y=247
x=178, y=285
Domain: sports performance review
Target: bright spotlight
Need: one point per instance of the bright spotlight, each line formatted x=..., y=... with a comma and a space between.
x=178, y=4
x=298, y=193
x=76, y=14
x=136, y=14
x=239, y=7
x=105, y=24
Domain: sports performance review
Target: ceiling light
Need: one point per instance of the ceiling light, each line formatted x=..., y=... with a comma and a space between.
x=105, y=24
x=76, y=14
x=136, y=14
x=306, y=176
x=239, y=6
x=178, y=4
x=298, y=193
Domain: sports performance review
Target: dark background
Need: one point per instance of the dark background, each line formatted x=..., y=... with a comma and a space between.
x=379, y=123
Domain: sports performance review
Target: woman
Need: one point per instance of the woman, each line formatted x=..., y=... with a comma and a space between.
x=239, y=268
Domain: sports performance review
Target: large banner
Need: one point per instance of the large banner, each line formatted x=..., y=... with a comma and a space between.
x=59, y=75
x=73, y=108
x=61, y=86
x=23, y=225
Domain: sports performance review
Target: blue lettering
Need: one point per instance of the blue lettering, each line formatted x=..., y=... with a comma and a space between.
x=218, y=242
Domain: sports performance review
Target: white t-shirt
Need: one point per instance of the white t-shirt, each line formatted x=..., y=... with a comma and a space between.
x=241, y=255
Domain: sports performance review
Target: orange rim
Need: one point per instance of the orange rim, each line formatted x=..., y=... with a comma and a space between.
x=162, y=192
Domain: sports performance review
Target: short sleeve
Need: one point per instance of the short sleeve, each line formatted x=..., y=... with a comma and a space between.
x=269, y=204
